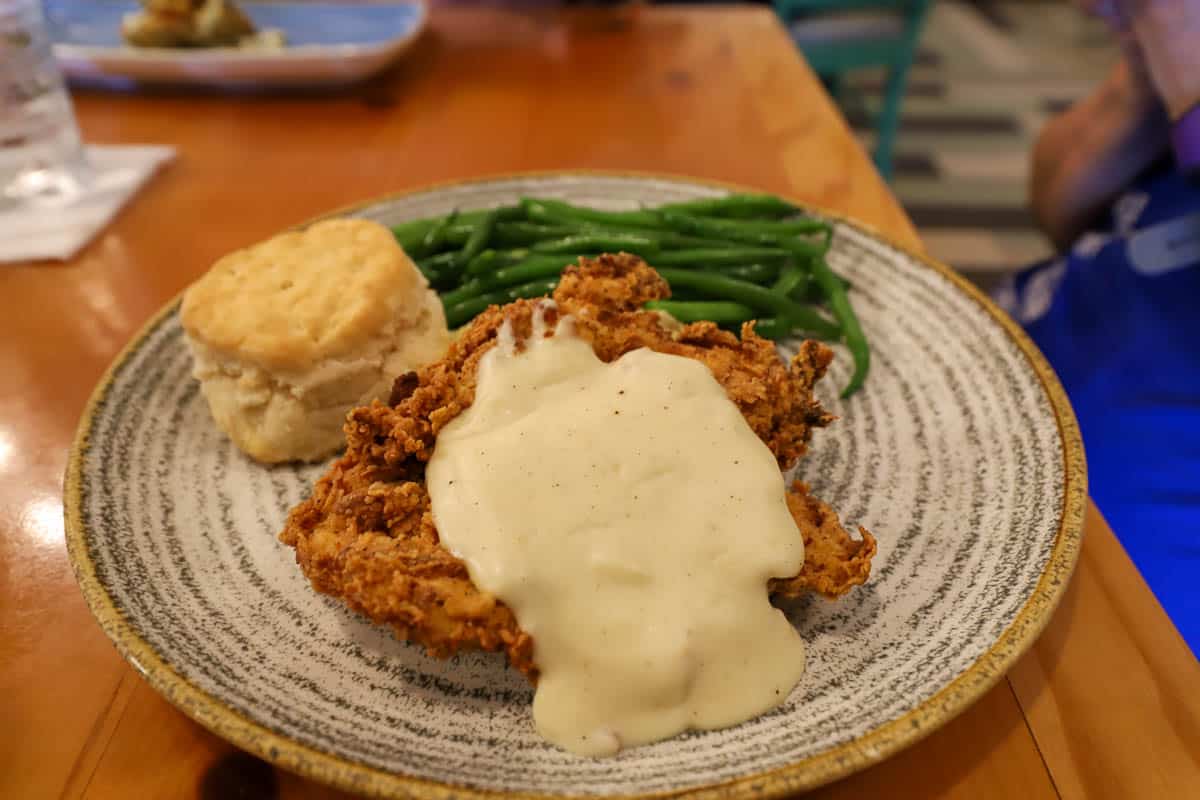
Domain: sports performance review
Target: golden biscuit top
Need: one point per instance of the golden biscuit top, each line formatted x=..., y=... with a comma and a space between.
x=303, y=296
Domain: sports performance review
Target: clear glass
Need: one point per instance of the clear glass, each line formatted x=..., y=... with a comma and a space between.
x=41, y=154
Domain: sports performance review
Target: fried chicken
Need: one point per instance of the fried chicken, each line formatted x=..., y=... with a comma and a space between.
x=367, y=536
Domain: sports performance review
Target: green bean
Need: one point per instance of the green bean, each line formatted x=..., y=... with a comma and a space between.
x=734, y=205
x=484, y=262
x=531, y=289
x=438, y=262
x=478, y=239
x=411, y=234
x=772, y=328
x=682, y=294
x=465, y=291
x=698, y=226
x=562, y=215
x=540, y=266
x=713, y=257
x=458, y=233
x=497, y=259
x=761, y=274
x=805, y=292
x=736, y=231
x=432, y=275
x=490, y=260
x=471, y=217
x=719, y=311
x=501, y=272
x=554, y=226
x=807, y=287
x=665, y=239
x=528, y=270
x=828, y=238
x=856, y=340
x=463, y=312
x=794, y=226
x=508, y=234
x=600, y=243
x=526, y=233
x=812, y=292
x=793, y=277
x=435, y=239
x=439, y=270
x=799, y=226
x=505, y=234
x=569, y=225
x=558, y=212
x=648, y=223
x=728, y=259
x=756, y=297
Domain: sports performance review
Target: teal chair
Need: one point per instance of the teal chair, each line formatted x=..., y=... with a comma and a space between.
x=839, y=36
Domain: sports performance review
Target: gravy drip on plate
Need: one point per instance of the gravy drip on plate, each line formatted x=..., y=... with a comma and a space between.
x=630, y=517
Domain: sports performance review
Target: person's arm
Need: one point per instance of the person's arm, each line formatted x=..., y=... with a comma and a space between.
x=1168, y=41
x=1087, y=155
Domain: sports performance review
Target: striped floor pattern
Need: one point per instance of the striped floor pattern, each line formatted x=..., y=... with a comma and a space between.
x=988, y=75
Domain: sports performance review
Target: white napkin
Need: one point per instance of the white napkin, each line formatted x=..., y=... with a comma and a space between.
x=61, y=232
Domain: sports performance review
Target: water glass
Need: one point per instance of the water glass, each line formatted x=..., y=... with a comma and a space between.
x=41, y=154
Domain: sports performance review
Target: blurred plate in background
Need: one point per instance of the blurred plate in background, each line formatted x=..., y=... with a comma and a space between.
x=327, y=44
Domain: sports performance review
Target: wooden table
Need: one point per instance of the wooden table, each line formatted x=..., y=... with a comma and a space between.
x=1106, y=703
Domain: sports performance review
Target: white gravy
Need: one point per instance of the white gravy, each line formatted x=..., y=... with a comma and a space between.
x=630, y=517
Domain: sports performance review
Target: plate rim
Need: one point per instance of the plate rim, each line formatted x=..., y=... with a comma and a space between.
x=872, y=747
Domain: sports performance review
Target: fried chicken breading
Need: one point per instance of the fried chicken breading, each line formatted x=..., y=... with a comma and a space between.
x=367, y=536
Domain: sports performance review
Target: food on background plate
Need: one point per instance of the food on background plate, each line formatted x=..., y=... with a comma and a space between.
x=727, y=259
x=195, y=23
x=291, y=333
x=370, y=533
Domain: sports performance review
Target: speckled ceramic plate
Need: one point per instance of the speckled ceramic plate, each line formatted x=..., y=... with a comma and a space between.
x=961, y=454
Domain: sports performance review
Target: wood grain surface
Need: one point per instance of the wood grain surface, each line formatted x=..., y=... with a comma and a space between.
x=1105, y=704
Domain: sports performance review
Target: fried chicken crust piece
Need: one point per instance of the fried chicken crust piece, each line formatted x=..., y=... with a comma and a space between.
x=366, y=535
x=834, y=562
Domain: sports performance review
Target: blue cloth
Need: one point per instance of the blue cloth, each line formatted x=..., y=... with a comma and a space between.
x=1119, y=319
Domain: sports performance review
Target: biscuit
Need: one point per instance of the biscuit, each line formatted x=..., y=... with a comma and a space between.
x=290, y=334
